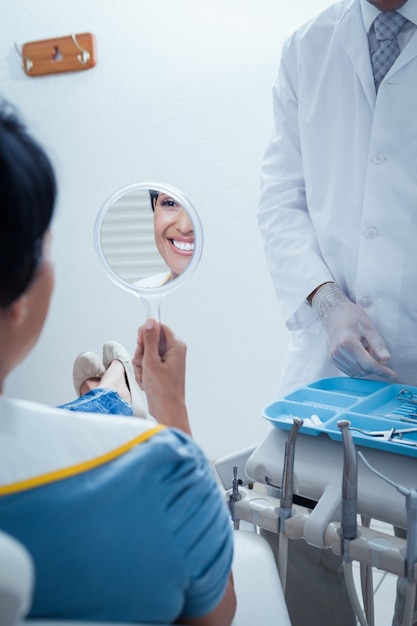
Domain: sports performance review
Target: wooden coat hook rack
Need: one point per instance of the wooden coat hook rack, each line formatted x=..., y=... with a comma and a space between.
x=73, y=53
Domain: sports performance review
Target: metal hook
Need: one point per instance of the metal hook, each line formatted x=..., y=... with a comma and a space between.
x=27, y=64
x=84, y=57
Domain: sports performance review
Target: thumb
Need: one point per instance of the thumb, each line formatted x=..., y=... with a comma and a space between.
x=151, y=334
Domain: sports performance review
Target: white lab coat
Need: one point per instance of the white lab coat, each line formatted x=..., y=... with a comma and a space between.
x=339, y=190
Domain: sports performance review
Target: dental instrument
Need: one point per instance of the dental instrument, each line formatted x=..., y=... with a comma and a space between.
x=408, y=395
x=234, y=496
x=349, y=488
x=286, y=501
x=412, y=418
x=386, y=435
x=349, y=525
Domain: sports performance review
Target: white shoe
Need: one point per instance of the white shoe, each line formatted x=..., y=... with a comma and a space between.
x=87, y=365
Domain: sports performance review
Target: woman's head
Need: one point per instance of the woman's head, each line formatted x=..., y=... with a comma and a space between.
x=174, y=232
x=27, y=198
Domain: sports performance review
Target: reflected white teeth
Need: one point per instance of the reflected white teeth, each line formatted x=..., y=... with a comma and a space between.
x=184, y=246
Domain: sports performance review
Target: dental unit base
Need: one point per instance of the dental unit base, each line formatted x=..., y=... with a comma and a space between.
x=375, y=413
x=371, y=547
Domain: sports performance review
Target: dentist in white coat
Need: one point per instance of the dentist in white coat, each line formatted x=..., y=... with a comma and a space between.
x=338, y=206
x=339, y=198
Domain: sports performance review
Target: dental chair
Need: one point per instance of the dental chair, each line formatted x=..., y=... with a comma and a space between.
x=259, y=598
x=16, y=580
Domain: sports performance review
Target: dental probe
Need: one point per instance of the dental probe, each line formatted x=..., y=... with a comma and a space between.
x=412, y=417
x=411, y=549
x=286, y=500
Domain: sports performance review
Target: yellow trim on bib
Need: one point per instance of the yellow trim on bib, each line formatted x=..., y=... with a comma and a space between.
x=67, y=472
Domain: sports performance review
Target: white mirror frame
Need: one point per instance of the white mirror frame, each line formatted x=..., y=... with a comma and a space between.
x=153, y=293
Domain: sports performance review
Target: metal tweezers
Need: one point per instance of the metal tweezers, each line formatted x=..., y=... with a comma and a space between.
x=388, y=435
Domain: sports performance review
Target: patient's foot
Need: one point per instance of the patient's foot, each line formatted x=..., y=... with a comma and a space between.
x=115, y=352
x=87, y=371
x=114, y=378
x=89, y=384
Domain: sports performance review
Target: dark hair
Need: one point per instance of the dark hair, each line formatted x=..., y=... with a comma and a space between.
x=154, y=197
x=27, y=199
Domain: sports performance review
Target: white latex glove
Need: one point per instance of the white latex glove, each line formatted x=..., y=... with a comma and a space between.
x=355, y=345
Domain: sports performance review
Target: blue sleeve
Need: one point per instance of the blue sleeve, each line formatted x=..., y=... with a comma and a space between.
x=201, y=527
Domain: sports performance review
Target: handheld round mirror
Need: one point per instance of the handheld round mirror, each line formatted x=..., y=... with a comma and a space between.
x=149, y=240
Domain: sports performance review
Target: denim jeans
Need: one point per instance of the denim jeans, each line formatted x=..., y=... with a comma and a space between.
x=100, y=400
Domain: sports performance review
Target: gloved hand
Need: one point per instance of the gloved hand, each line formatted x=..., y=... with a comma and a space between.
x=355, y=346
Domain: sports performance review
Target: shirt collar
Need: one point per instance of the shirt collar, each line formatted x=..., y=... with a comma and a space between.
x=369, y=12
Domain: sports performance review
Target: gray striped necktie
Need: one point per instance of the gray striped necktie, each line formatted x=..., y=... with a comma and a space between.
x=386, y=49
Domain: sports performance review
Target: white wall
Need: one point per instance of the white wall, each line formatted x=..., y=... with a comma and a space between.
x=182, y=94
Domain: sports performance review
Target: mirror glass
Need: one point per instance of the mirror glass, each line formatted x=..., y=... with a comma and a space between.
x=149, y=239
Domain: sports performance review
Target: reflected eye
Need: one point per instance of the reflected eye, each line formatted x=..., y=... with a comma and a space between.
x=168, y=203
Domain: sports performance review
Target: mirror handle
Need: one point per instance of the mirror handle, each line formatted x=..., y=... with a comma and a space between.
x=152, y=304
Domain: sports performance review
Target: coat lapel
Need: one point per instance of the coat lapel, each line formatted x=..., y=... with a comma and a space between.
x=353, y=38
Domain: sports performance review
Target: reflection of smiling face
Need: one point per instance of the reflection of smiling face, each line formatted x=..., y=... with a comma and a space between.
x=174, y=233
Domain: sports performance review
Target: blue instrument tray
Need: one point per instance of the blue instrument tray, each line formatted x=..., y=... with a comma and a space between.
x=367, y=404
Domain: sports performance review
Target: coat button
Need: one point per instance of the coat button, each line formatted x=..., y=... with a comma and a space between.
x=379, y=158
x=365, y=302
x=371, y=233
